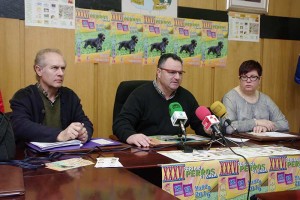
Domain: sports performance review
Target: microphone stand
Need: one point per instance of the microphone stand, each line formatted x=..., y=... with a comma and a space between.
x=213, y=140
x=182, y=145
x=224, y=126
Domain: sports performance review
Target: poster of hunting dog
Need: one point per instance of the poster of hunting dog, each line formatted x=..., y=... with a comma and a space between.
x=158, y=38
x=126, y=38
x=187, y=38
x=92, y=35
x=214, y=44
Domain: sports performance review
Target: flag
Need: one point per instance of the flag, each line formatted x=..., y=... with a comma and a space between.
x=1, y=103
x=297, y=74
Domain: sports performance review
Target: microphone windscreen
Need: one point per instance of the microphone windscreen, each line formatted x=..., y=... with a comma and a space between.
x=218, y=109
x=202, y=112
x=175, y=106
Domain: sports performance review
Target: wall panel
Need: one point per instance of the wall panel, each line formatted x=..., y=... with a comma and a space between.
x=11, y=58
x=286, y=8
x=198, y=4
x=279, y=64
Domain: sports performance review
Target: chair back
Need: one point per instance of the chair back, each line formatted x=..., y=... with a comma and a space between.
x=124, y=90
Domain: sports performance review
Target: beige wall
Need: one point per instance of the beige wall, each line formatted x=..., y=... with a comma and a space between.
x=96, y=84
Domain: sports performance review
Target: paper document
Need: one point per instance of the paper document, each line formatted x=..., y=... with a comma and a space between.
x=102, y=141
x=172, y=139
x=272, y=134
x=108, y=162
x=225, y=153
x=237, y=139
x=50, y=145
x=72, y=163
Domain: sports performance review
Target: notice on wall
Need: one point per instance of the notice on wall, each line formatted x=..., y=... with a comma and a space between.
x=151, y=7
x=50, y=13
x=244, y=26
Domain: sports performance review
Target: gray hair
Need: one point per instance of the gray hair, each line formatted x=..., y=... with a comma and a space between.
x=40, y=58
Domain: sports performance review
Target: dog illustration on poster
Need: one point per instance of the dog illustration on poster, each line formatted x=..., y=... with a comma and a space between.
x=216, y=50
x=129, y=44
x=189, y=48
x=95, y=42
x=160, y=46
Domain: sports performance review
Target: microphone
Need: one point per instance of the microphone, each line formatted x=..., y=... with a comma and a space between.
x=220, y=111
x=208, y=120
x=178, y=116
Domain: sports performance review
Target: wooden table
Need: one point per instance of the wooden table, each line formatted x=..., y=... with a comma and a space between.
x=288, y=195
x=91, y=183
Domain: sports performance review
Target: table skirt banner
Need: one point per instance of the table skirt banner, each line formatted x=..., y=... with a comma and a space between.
x=229, y=179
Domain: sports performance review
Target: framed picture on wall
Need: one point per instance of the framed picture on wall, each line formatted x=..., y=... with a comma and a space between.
x=250, y=6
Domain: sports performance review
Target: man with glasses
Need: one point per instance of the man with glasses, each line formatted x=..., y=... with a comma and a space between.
x=146, y=111
x=47, y=111
x=250, y=109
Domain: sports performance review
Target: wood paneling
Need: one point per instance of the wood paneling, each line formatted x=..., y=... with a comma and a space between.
x=109, y=77
x=286, y=8
x=198, y=4
x=279, y=66
x=221, y=4
x=11, y=58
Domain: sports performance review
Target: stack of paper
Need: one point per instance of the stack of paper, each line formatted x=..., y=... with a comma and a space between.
x=51, y=145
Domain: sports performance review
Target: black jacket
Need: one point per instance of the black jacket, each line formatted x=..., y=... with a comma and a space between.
x=28, y=115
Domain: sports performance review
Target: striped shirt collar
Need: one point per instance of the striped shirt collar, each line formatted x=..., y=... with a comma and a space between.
x=40, y=88
x=161, y=93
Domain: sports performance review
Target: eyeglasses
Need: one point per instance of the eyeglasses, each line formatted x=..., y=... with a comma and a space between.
x=252, y=78
x=173, y=72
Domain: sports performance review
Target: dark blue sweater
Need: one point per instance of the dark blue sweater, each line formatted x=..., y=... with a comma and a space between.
x=28, y=114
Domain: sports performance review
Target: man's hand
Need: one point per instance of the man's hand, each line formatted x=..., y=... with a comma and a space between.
x=73, y=131
x=139, y=140
x=83, y=135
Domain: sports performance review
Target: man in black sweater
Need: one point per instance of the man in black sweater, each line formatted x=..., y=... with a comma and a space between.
x=47, y=111
x=146, y=111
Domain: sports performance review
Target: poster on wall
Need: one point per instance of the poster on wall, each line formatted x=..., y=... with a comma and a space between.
x=214, y=44
x=244, y=26
x=158, y=38
x=151, y=7
x=126, y=38
x=187, y=40
x=53, y=13
x=92, y=36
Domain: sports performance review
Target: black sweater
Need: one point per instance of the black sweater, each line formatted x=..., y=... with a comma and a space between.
x=146, y=111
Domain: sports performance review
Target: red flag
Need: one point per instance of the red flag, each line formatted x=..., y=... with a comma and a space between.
x=1, y=103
